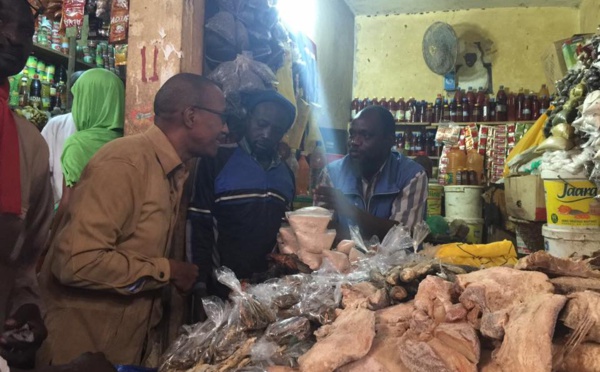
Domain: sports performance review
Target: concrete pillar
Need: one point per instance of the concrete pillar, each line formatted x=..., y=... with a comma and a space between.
x=165, y=38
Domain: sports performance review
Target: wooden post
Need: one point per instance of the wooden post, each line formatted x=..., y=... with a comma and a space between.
x=165, y=38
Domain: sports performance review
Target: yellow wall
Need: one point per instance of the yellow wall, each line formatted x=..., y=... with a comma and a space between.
x=589, y=15
x=389, y=61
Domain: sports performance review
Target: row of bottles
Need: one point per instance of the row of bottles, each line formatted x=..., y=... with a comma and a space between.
x=464, y=168
x=35, y=86
x=466, y=106
x=413, y=143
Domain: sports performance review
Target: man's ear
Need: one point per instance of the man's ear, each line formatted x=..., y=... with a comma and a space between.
x=188, y=117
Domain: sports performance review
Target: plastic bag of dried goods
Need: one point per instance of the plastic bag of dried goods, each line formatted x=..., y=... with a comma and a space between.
x=230, y=31
x=289, y=330
x=243, y=75
x=262, y=352
x=320, y=297
x=397, y=238
x=248, y=313
x=194, y=344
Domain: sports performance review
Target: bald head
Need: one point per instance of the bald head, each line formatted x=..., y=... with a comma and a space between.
x=182, y=91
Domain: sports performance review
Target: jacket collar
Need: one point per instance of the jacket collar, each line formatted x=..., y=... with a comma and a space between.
x=244, y=145
x=385, y=178
x=165, y=152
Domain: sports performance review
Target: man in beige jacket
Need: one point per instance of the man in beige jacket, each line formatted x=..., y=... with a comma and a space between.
x=109, y=262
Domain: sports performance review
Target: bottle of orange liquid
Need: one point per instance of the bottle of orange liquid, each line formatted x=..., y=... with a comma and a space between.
x=457, y=159
x=475, y=163
x=303, y=177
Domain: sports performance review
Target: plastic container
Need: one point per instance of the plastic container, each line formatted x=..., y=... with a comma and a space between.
x=303, y=178
x=475, y=163
x=434, y=199
x=457, y=159
x=475, y=235
x=570, y=200
x=564, y=241
x=463, y=202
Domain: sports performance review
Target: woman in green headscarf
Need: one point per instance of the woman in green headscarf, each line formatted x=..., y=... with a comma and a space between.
x=99, y=114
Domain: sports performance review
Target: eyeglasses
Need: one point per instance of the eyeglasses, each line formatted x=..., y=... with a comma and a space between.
x=223, y=115
x=39, y=10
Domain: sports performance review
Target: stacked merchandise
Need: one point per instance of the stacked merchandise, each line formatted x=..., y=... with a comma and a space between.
x=564, y=148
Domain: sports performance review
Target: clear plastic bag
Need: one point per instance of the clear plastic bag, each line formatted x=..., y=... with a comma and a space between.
x=243, y=75
x=250, y=312
x=262, y=352
x=356, y=237
x=194, y=344
x=289, y=330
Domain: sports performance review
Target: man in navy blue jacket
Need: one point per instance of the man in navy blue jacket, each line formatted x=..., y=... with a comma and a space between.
x=373, y=187
x=241, y=196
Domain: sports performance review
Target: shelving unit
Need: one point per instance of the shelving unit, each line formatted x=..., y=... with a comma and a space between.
x=400, y=125
x=58, y=58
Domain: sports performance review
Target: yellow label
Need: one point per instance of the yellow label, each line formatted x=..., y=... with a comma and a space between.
x=434, y=201
x=572, y=203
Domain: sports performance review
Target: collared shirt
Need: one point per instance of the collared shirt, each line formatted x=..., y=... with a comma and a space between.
x=110, y=252
x=275, y=161
x=55, y=133
x=407, y=208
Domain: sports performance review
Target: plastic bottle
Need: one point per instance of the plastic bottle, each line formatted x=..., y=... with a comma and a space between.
x=424, y=111
x=535, y=107
x=24, y=90
x=452, y=109
x=408, y=143
x=458, y=95
x=354, y=108
x=318, y=161
x=409, y=114
x=364, y=104
x=384, y=103
x=446, y=111
x=457, y=159
x=466, y=111
x=417, y=115
x=438, y=108
x=45, y=94
x=477, y=110
x=501, y=101
x=429, y=114
x=375, y=102
x=393, y=107
x=527, y=108
x=475, y=163
x=52, y=95
x=511, y=107
x=302, y=180
x=459, y=108
x=544, y=104
x=485, y=110
x=400, y=115
x=520, y=104
x=35, y=92
x=544, y=91
x=471, y=98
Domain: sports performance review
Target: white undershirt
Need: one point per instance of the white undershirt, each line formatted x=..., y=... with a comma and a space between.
x=3, y=365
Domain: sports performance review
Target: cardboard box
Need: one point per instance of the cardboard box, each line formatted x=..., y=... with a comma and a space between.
x=553, y=58
x=525, y=198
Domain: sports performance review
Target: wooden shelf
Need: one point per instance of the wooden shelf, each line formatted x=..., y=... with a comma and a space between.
x=58, y=58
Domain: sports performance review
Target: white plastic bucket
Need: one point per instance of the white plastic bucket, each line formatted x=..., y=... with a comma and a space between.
x=475, y=235
x=563, y=241
x=570, y=200
x=463, y=202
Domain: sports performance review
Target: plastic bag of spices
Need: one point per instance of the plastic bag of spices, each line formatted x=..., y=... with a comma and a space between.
x=119, y=21
x=243, y=75
x=195, y=345
x=249, y=313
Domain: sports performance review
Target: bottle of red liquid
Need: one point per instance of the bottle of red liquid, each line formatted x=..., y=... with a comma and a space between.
x=384, y=103
x=393, y=107
x=459, y=108
x=466, y=111
x=446, y=111
x=438, y=108
x=486, y=114
x=452, y=109
x=477, y=112
x=458, y=95
x=417, y=115
x=527, y=108
x=535, y=108
x=429, y=113
x=375, y=102
x=401, y=113
x=364, y=104
x=409, y=115
x=520, y=102
x=544, y=104
x=424, y=112
x=501, y=101
x=354, y=108
x=471, y=98
x=408, y=143
x=511, y=107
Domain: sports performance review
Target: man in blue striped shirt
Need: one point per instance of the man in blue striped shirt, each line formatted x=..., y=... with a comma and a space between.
x=241, y=196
